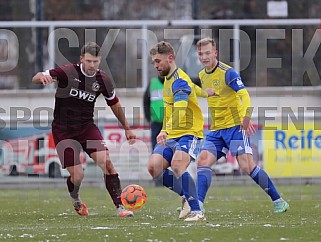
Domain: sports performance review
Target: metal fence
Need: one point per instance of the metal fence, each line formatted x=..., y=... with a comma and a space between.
x=267, y=52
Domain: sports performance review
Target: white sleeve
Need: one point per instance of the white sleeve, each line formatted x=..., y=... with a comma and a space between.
x=46, y=73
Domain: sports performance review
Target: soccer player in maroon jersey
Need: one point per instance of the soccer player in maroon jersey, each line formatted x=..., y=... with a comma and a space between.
x=73, y=126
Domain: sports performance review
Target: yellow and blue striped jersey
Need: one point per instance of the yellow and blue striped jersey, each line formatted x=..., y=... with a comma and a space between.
x=231, y=101
x=183, y=115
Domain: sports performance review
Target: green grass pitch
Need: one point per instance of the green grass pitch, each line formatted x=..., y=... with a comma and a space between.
x=234, y=213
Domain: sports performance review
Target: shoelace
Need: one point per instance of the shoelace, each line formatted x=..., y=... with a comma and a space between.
x=192, y=214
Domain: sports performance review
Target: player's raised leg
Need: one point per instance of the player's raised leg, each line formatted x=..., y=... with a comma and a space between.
x=181, y=182
x=158, y=165
x=169, y=180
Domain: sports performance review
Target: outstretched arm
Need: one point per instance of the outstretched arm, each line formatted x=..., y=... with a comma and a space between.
x=207, y=92
x=41, y=78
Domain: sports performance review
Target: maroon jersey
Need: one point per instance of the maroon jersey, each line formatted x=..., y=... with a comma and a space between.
x=76, y=95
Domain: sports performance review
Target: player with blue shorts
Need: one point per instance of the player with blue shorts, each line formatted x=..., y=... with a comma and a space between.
x=231, y=126
x=182, y=129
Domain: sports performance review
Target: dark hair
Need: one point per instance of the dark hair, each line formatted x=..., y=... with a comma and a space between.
x=162, y=48
x=91, y=48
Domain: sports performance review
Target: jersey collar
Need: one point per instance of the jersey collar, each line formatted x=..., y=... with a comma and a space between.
x=171, y=75
x=84, y=73
x=212, y=70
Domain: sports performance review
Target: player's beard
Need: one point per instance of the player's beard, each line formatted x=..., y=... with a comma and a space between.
x=164, y=72
x=91, y=72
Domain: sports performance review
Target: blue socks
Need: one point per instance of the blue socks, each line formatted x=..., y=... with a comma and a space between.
x=190, y=192
x=264, y=181
x=204, y=180
x=183, y=186
x=170, y=181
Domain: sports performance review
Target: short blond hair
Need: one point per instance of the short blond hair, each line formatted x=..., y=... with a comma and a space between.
x=162, y=47
x=206, y=41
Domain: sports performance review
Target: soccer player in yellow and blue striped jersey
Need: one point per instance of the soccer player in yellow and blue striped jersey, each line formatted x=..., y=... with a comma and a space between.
x=182, y=129
x=183, y=115
x=231, y=124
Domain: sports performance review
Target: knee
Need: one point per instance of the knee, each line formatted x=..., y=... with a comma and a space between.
x=156, y=165
x=202, y=161
x=246, y=165
x=206, y=159
x=153, y=167
x=151, y=170
x=101, y=158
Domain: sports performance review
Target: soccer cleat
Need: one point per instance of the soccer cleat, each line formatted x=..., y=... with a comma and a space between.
x=80, y=208
x=280, y=206
x=186, y=209
x=178, y=209
x=123, y=212
x=195, y=216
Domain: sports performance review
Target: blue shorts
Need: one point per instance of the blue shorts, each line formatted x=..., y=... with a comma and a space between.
x=186, y=143
x=220, y=141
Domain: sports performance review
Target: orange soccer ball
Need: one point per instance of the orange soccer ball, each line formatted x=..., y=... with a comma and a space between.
x=133, y=197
